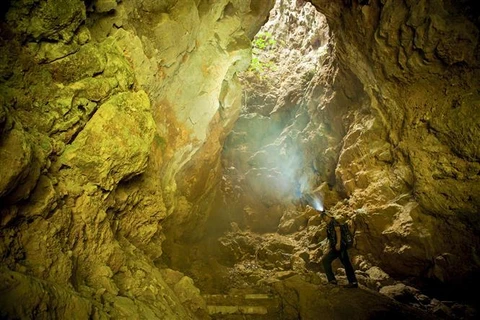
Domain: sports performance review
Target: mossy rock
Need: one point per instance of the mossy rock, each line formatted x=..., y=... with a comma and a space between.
x=54, y=20
x=16, y=155
x=90, y=60
x=115, y=143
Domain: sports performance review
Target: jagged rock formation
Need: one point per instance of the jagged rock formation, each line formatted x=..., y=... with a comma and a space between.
x=113, y=116
x=408, y=157
x=102, y=104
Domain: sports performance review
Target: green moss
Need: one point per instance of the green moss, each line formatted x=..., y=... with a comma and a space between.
x=308, y=76
x=118, y=66
x=261, y=61
x=264, y=41
x=50, y=19
x=38, y=80
x=159, y=141
x=90, y=60
x=45, y=144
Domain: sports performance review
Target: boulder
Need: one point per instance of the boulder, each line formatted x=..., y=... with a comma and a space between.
x=17, y=156
x=115, y=143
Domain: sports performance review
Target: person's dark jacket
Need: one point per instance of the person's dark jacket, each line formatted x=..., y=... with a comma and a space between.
x=331, y=234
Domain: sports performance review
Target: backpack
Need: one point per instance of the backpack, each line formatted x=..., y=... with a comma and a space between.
x=347, y=236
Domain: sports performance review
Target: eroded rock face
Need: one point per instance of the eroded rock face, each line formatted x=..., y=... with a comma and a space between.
x=102, y=105
x=400, y=160
x=106, y=162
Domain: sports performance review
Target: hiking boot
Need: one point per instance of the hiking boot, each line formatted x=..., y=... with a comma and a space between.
x=332, y=282
x=351, y=285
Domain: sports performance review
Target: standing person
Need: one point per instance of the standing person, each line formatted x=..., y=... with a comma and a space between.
x=337, y=250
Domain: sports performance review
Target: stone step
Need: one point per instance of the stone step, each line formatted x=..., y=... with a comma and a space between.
x=236, y=310
x=242, y=306
x=251, y=297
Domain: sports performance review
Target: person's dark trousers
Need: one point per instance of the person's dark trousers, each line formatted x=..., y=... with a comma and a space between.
x=343, y=255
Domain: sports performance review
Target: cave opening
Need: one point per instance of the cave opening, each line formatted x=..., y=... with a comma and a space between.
x=268, y=158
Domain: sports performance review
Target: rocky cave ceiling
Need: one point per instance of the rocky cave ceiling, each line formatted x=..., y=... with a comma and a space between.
x=152, y=162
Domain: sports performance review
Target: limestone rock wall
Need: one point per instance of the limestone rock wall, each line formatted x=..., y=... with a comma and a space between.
x=408, y=156
x=102, y=105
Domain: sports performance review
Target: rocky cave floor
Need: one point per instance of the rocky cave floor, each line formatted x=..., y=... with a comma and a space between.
x=245, y=275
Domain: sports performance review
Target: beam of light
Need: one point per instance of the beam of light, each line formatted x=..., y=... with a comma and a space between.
x=315, y=200
x=317, y=203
